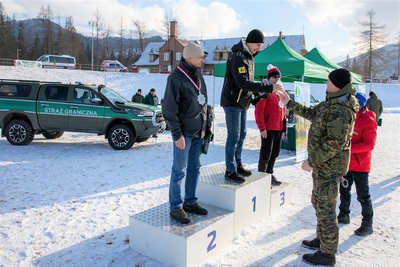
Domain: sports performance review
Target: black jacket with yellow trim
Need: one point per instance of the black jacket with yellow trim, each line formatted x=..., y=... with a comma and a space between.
x=239, y=79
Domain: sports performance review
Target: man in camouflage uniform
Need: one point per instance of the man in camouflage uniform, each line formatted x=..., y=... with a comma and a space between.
x=328, y=148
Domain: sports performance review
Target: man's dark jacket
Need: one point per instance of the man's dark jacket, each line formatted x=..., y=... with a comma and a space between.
x=180, y=106
x=239, y=79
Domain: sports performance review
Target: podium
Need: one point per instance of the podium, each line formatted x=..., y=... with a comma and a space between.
x=154, y=234
x=231, y=208
x=250, y=201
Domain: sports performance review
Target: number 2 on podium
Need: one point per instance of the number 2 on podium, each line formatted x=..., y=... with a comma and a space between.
x=212, y=245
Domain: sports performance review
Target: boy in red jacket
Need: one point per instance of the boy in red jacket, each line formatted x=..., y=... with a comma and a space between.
x=271, y=121
x=362, y=144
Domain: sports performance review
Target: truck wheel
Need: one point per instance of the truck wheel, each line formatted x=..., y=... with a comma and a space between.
x=53, y=135
x=19, y=133
x=121, y=137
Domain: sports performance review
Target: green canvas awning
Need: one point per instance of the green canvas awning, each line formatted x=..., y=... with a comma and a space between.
x=316, y=56
x=292, y=65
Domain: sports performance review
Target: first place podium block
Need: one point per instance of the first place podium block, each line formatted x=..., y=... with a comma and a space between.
x=154, y=234
x=250, y=201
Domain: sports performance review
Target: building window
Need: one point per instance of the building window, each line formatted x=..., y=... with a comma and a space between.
x=178, y=56
x=166, y=56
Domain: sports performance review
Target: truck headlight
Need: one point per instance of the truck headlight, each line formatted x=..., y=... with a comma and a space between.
x=142, y=113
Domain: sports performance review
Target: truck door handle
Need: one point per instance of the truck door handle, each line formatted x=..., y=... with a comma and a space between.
x=44, y=105
x=73, y=107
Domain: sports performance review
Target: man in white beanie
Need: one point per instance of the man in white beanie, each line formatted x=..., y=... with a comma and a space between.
x=185, y=110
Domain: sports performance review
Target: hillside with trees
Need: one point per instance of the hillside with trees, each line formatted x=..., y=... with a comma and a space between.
x=45, y=34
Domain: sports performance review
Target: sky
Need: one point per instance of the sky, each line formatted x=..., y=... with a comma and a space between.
x=66, y=202
x=332, y=26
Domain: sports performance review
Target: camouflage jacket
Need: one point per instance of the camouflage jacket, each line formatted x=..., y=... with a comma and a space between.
x=330, y=132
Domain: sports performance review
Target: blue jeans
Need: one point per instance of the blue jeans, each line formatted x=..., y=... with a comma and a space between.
x=186, y=162
x=360, y=179
x=235, y=119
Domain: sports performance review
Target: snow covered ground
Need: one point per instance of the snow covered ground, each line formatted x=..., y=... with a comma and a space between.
x=66, y=202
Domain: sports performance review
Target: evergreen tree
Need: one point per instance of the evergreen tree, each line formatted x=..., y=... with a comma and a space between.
x=21, y=42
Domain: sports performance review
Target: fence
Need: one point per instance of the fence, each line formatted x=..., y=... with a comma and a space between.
x=6, y=62
x=11, y=62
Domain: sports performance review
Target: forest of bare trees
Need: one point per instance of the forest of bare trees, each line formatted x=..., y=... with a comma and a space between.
x=47, y=34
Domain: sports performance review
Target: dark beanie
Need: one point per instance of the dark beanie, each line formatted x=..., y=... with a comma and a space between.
x=340, y=78
x=255, y=36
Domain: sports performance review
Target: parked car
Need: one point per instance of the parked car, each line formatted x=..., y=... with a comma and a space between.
x=57, y=61
x=113, y=65
x=290, y=115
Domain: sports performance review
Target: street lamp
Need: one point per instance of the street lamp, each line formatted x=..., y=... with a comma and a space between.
x=92, y=23
x=18, y=53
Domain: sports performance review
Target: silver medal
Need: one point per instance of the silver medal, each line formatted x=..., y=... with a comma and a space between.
x=201, y=99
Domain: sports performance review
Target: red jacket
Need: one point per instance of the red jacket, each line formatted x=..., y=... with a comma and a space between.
x=363, y=141
x=268, y=114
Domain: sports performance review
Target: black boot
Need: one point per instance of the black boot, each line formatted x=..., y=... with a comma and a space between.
x=320, y=258
x=311, y=244
x=234, y=177
x=343, y=218
x=274, y=181
x=364, y=230
x=241, y=170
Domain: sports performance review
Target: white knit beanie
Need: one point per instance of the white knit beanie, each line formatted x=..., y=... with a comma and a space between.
x=192, y=50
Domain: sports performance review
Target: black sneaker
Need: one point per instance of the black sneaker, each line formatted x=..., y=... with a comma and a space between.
x=234, y=177
x=320, y=258
x=343, y=218
x=274, y=181
x=195, y=208
x=311, y=244
x=179, y=216
x=241, y=170
x=363, y=231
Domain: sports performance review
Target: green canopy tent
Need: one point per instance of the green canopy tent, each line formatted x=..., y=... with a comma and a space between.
x=293, y=66
x=316, y=56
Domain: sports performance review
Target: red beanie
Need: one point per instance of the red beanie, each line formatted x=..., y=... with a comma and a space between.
x=272, y=71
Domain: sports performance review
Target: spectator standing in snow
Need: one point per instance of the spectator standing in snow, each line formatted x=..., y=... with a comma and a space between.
x=151, y=98
x=362, y=144
x=138, y=97
x=184, y=108
x=270, y=115
x=328, y=149
x=375, y=104
x=236, y=95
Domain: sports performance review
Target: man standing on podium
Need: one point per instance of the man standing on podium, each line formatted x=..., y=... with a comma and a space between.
x=236, y=95
x=185, y=110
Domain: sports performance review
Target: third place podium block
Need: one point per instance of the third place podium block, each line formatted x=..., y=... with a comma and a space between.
x=250, y=200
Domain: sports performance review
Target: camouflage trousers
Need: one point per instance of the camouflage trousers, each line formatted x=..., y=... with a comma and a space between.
x=324, y=198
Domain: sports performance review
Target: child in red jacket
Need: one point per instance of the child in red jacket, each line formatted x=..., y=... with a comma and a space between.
x=270, y=118
x=362, y=144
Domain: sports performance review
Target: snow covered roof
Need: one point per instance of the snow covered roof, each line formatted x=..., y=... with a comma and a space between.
x=212, y=45
x=151, y=48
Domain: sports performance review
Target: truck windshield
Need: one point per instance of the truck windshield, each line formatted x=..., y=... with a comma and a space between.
x=113, y=96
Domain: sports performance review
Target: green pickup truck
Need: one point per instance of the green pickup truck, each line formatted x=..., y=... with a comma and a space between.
x=50, y=108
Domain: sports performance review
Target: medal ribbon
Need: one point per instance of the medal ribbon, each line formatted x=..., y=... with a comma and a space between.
x=198, y=86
